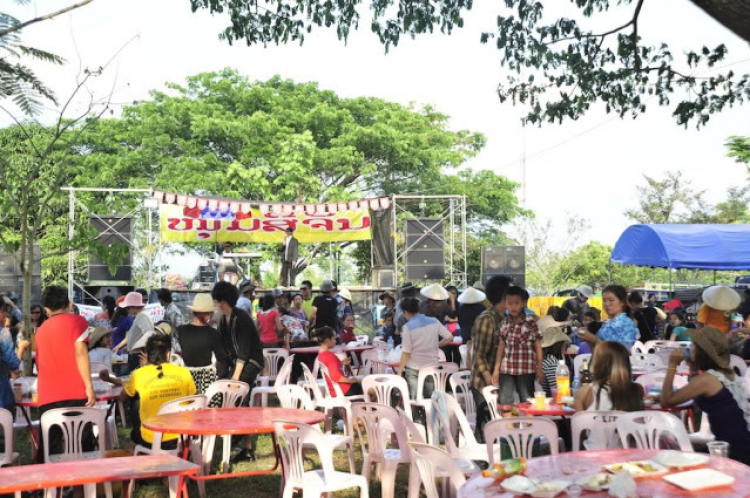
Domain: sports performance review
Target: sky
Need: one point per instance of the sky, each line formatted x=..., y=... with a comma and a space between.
x=588, y=168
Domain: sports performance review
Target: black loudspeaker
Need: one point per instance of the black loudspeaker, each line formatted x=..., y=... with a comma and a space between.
x=115, y=232
x=425, y=249
x=11, y=279
x=504, y=260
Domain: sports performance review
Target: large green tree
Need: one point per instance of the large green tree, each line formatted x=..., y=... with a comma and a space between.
x=558, y=67
x=222, y=134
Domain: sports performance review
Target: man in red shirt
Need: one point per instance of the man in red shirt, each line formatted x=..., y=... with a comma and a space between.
x=350, y=386
x=62, y=359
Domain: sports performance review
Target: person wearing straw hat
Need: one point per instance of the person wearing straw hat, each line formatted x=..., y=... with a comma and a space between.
x=436, y=301
x=554, y=342
x=389, y=301
x=470, y=306
x=142, y=324
x=199, y=341
x=718, y=303
x=716, y=389
x=100, y=345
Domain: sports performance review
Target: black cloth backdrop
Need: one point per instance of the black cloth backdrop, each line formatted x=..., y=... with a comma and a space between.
x=382, y=242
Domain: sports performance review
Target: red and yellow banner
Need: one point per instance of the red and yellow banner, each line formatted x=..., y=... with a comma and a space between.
x=196, y=224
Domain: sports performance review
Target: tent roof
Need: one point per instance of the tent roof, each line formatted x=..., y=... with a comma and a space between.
x=702, y=247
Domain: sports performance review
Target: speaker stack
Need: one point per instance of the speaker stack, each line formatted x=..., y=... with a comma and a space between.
x=114, y=232
x=504, y=260
x=425, y=249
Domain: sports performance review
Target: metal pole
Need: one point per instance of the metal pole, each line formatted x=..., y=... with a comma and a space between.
x=452, y=227
x=395, y=241
x=71, y=234
x=150, y=251
x=465, y=277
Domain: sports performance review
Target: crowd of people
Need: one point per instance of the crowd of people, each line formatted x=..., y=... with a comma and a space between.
x=508, y=345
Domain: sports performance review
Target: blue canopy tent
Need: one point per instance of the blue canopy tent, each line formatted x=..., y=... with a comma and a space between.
x=698, y=247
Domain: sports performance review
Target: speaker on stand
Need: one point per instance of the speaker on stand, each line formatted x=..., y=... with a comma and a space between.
x=114, y=232
x=504, y=260
x=425, y=249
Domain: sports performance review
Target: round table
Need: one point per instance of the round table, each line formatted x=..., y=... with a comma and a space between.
x=338, y=349
x=230, y=421
x=575, y=465
x=550, y=410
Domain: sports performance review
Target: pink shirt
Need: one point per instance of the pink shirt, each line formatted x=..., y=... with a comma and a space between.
x=267, y=325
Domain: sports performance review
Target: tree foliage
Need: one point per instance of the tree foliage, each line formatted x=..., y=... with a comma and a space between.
x=558, y=67
x=739, y=149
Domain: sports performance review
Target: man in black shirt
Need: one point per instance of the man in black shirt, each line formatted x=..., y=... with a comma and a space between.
x=645, y=317
x=324, y=309
x=578, y=305
x=242, y=345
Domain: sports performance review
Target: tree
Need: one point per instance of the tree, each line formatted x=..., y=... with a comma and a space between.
x=35, y=161
x=739, y=149
x=17, y=81
x=672, y=200
x=222, y=134
x=566, y=67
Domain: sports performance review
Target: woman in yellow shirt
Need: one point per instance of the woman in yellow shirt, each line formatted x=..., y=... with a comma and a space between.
x=718, y=303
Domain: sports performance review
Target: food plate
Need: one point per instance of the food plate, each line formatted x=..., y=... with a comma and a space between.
x=680, y=459
x=643, y=468
x=533, y=401
x=596, y=482
x=522, y=485
x=695, y=480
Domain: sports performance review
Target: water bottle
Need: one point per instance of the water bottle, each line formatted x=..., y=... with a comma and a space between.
x=390, y=342
x=576, y=385
x=562, y=377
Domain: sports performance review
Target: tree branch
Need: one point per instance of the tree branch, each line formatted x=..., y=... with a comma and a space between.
x=22, y=25
x=637, y=63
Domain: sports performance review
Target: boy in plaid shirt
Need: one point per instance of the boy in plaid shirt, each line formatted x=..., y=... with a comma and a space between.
x=519, y=355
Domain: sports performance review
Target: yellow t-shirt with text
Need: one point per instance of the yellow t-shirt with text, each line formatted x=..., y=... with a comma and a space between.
x=155, y=390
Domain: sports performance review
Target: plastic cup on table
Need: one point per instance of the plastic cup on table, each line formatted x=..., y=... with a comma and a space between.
x=553, y=391
x=540, y=400
x=718, y=448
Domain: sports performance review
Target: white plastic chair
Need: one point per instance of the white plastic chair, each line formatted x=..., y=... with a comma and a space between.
x=578, y=363
x=279, y=379
x=490, y=394
x=441, y=356
x=657, y=379
x=7, y=458
x=467, y=446
x=330, y=401
x=431, y=463
x=704, y=434
x=73, y=422
x=738, y=365
x=233, y=393
x=647, y=428
x=271, y=357
x=363, y=339
x=520, y=434
x=439, y=373
x=366, y=367
x=650, y=347
x=313, y=482
x=461, y=386
x=378, y=421
x=601, y=423
x=382, y=387
x=295, y=397
x=638, y=348
x=645, y=360
x=463, y=350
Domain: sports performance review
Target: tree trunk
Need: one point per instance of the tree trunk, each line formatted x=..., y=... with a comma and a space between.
x=733, y=14
x=27, y=270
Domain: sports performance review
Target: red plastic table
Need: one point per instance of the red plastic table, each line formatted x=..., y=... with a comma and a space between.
x=230, y=421
x=79, y=472
x=111, y=395
x=575, y=465
x=551, y=410
x=339, y=349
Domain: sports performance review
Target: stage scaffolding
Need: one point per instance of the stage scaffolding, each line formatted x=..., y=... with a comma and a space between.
x=148, y=204
x=451, y=210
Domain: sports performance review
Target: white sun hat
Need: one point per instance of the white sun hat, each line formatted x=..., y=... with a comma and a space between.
x=472, y=296
x=721, y=297
x=436, y=292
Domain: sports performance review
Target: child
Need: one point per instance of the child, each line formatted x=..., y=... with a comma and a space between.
x=677, y=322
x=554, y=342
x=388, y=330
x=519, y=354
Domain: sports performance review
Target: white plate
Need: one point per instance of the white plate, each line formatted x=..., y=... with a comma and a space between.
x=680, y=459
x=694, y=480
x=596, y=482
x=635, y=468
x=519, y=485
x=533, y=401
x=550, y=489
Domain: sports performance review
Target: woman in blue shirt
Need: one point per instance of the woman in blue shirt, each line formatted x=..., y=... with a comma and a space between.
x=620, y=327
x=9, y=361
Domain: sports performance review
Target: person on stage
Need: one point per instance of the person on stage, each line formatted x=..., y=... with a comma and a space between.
x=289, y=253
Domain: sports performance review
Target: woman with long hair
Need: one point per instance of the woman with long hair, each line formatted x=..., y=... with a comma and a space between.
x=620, y=327
x=269, y=322
x=104, y=317
x=716, y=389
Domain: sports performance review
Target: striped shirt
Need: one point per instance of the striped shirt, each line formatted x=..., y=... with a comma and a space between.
x=549, y=368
